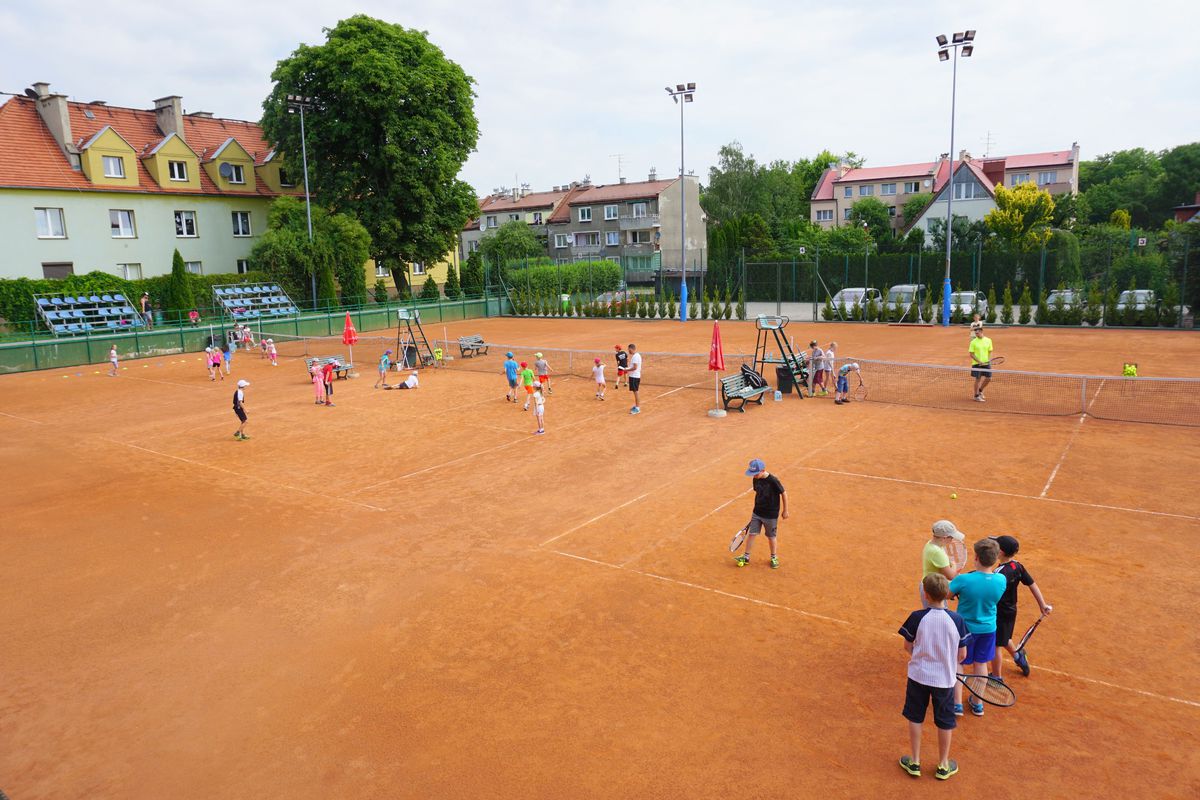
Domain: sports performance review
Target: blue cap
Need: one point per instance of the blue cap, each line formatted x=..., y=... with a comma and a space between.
x=508, y=355
x=756, y=467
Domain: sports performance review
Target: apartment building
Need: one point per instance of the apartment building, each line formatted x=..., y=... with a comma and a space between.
x=840, y=187
x=520, y=205
x=88, y=186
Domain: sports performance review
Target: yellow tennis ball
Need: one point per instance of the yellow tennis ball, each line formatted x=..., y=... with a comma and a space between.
x=954, y=496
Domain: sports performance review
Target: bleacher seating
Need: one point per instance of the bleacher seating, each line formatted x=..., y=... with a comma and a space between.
x=254, y=301
x=71, y=315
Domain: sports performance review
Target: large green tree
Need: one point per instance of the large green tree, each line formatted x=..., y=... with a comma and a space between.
x=1022, y=216
x=178, y=300
x=512, y=240
x=391, y=123
x=1128, y=179
x=874, y=214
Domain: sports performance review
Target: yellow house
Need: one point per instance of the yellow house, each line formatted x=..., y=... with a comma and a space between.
x=418, y=273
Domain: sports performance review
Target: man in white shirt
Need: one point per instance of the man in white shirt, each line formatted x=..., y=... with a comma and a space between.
x=410, y=382
x=635, y=376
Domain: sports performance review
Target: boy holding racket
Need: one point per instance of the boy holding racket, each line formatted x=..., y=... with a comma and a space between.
x=978, y=593
x=385, y=362
x=981, y=361
x=935, y=556
x=770, y=500
x=1014, y=573
x=622, y=364
x=843, y=383
x=239, y=409
x=542, y=368
x=935, y=640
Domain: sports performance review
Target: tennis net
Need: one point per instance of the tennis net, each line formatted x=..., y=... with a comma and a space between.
x=292, y=346
x=1164, y=401
x=682, y=370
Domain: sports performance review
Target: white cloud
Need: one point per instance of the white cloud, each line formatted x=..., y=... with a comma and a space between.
x=565, y=85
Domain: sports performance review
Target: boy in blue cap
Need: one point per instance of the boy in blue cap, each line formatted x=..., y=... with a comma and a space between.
x=770, y=499
x=510, y=372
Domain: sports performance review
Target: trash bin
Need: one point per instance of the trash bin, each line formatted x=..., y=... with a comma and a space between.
x=783, y=379
x=408, y=358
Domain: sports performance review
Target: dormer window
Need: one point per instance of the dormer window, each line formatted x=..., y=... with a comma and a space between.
x=178, y=170
x=114, y=167
x=236, y=174
x=285, y=179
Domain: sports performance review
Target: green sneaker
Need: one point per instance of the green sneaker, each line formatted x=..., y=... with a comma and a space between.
x=911, y=767
x=774, y=562
x=244, y=437
x=742, y=561
x=944, y=773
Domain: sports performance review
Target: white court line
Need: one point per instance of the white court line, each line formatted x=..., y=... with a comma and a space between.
x=23, y=419
x=1071, y=440
x=677, y=389
x=240, y=475
x=1002, y=494
x=848, y=623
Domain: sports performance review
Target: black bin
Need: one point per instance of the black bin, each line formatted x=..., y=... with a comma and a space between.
x=783, y=379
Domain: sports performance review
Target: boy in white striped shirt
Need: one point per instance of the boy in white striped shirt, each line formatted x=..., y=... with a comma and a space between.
x=934, y=638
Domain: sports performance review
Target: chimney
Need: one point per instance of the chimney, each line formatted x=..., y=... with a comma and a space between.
x=169, y=111
x=963, y=155
x=842, y=168
x=52, y=108
x=622, y=179
x=653, y=174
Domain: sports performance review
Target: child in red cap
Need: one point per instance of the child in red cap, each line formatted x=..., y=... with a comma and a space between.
x=598, y=374
x=622, y=364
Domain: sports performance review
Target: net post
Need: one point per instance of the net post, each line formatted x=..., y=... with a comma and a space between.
x=1083, y=396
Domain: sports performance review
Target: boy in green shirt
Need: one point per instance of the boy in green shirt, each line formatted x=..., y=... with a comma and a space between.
x=527, y=382
x=981, y=362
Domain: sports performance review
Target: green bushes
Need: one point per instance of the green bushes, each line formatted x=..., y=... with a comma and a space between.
x=1006, y=315
x=581, y=277
x=991, y=314
x=1026, y=306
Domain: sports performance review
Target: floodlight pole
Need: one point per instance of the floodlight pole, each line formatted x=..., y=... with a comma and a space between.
x=681, y=94
x=297, y=102
x=960, y=40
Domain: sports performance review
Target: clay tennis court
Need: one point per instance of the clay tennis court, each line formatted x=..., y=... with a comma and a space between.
x=409, y=596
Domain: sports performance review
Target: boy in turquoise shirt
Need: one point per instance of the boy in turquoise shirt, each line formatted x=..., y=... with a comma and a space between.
x=978, y=593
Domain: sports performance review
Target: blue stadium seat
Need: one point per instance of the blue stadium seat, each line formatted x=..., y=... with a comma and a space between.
x=120, y=298
x=93, y=299
x=43, y=302
x=56, y=301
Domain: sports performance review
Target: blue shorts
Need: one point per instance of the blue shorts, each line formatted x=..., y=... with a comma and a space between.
x=981, y=648
x=512, y=383
x=843, y=385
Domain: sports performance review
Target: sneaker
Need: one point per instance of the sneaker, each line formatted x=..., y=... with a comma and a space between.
x=774, y=562
x=911, y=767
x=1022, y=662
x=977, y=709
x=245, y=437
x=945, y=772
x=979, y=398
x=958, y=709
x=742, y=560
x=237, y=435
x=524, y=408
x=635, y=410
x=837, y=402
x=328, y=403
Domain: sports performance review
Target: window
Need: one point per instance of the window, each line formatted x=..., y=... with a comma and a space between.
x=846, y=214
x=849, y=192
x=614, y=259
x=241, y=223
x=285, y=179
x=472, y=246
x=1047, y=177
x=967, y=188
x=912, y=187
x=177, y=170
x=866, y=191
x=639, y=210
x=1018, y=178
x=610, y=212
x=612, y=238
x=639, y=237
x=56, y=270
x=130, y=272
x=585, y=214
x=589, y=239
x=194, y=267
x=891, y=211
x=561, y=240
x=381, y=270
x=562, y=261
x=121, y=222
x=50, y=223
x=491, y=222
x=515, y=217
x=537, y=218
x=185, y=223
x=236, y=174
x=418, y=268
x=114, y=167
x=825, y=215
x=243, y=266
x=887, y=188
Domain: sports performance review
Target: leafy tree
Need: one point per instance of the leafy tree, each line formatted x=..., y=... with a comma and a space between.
x=991, y=314
x=966, y=233
x=178, y=300
x=1119, y=218
x=1006, y=315
x=1181, y=179
x=1064, y=247
x=511, y=241
x=452, y=288
x=391, y=124
x=339, y=241
x=472, y=274
x=381, y=294
x=1043, y=310
x=741, y=304
x=914, y=205
x=1129, y=179
x=323, y=258
x=430, y=290
x=1021, y=218
x=875, y=214
x=1070, y=210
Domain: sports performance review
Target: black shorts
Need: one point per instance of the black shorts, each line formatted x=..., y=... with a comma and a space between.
x=241, y=413
x=329, y=387
x=981, y=371
x=634, y=384
x=916, y=699
x=1004, y=627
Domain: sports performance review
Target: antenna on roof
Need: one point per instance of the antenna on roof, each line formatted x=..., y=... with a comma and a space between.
x=620, y=157
x=987, y=144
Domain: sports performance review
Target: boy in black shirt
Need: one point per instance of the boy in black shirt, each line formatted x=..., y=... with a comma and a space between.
x=622, y=365
x=1014, y=573
x=769, y=498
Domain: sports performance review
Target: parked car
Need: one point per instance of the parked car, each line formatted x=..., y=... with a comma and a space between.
x=969, y=303
x=856, y=296
x=903, y=295
x=1070, y=299
x=1137, y=299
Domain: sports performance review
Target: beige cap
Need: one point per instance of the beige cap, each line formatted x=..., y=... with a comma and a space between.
x=944, y=529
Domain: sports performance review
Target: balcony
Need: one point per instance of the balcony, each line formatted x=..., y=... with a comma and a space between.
x=643, y=249
x=644, y=222
x=587, y=249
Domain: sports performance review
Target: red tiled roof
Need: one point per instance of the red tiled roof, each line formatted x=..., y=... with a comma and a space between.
x=1058, y=158
x=824, y=188
x=562, y=213
x=619, y=191
x=532, y=200
x=30, y=158
x=976, y=170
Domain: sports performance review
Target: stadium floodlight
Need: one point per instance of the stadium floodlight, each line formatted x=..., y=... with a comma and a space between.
x=300, y=103
x=682, y=95
x=961, y=41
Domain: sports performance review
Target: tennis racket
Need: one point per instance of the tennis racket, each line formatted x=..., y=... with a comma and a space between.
x=737, y=540
x=958, y=554
x=992, y=691
x=996, y=361
x=1029, y=633
x=860, y=392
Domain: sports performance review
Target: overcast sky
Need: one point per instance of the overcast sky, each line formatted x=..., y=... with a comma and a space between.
x=565, y=86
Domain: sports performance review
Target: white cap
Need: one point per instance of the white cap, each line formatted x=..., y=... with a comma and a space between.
x=944, y=529
x=243, y=384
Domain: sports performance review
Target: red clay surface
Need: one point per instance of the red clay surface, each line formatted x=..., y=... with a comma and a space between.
x=408, y=596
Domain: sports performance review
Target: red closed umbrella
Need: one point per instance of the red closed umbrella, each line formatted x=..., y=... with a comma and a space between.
x=716, y=363
x=349, y=336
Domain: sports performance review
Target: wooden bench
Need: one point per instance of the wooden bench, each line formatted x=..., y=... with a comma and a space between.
x=734, y=388
x=343, y=366
x=471, y=345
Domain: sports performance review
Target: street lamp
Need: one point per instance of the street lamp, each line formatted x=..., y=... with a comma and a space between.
x=965, y=42
x=681, y=95
x=299, y=103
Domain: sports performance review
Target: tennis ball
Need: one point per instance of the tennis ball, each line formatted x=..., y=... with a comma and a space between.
x=954, y=496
